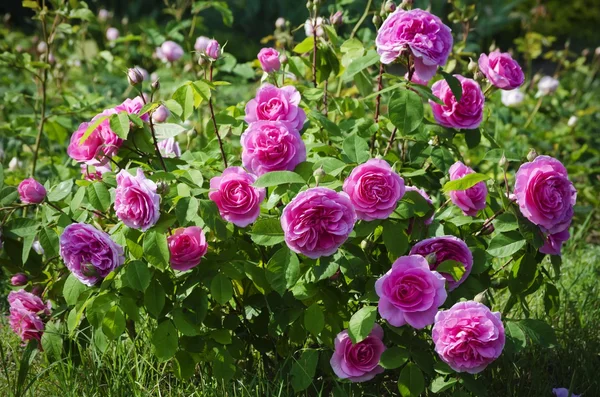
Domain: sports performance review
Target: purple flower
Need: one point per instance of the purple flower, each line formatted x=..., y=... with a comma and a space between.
x=562, y=392
x=201, y=44
x=161, y=114
x=554, y=242
x=512, y=97
x=471, y=200
x=358, y=362
x=276, y=104
x=417, y=31
x=112, y=34
x=317, y=221
x=213, y=49
x=440, y=249
x=136, y=203
x=269, y=60
x=545, y=194
x=169, y=51
x=547, y=85
x=89, y=253
x=464, y=114
x=425, y=196
x=410, y=293
x=501, y=70
x=169, y=148
x=271, y=146
x=238, y=201
x=468, y=336
x=374, y=189
x=187, y=247
x=31, y=191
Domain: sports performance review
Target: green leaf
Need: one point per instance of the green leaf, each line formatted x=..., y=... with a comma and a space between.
x=439, y=384
x=442, y=158
x=154, y=298
x=61, y=191
x=91, y=128
x=522, y=274
x=454, y=84
x=185, y=366
x=184, y=96
x=356, y=148
x=303, y=370
x=394, y=357
x=49, y=241
x=361, y=324
x=221, y=289
x=314, y=319
x=165, y=341
x=167, y=130
x=453, y=268
x=77, y=199
x=551, y=299
x=539, y=332
x=516, y=336
x=405, y=110
x=411, y=382
x=361, y=63
x=113, y=323
x=119, y=124
x=505, y=244
x=72, y=289
x=137, y=275
x=52, y=341
x=505, y=223
x=186, y=210
x=98, y=307
x=20, y=227
x=475, y=386
x=305, y=46
x=394, y=238
x=27, y=244
x=464, y=183
x=223, y=364
x=267, y=232
x=472, y=138
x=276, y=178
x=156, y=249
x=98, y=196
x=283, y=270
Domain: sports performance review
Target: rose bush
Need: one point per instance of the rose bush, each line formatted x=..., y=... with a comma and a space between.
x=331, y=225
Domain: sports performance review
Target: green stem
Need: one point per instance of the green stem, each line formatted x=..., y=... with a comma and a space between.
x=361, y=20
x=535, y=110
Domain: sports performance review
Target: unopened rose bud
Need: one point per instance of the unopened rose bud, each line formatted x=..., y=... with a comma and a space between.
x=283, y=58
x=337, y=18
x=51, y=58
x=480, y=297
x=487, y=229
x=364, y=244
x=390, y=6
x=103, y=15
x=472, y=66
x=161, y=114
x=112, y=34
x=319, y=173
x=376, y=20
x=18, y=280
x=192, y=133
x=597, y=51
x=431, y=258
x=213, y=50
x=309, y=4
x=407, y=4
x=134, y=76
x=155, y=85
x=42, y=47
x=585, y=52
x=531, y=155
x=479, y=76
x=88, y=270
x=37, y=290
x=280, y=23
x=502, y=161
x=572, y=121
x=162, y=188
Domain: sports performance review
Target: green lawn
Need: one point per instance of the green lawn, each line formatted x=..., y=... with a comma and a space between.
x=129, y=369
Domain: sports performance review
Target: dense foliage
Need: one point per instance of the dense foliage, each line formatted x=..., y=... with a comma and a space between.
x=348, y=222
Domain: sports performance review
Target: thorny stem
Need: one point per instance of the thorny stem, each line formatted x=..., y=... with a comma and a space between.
x=502, y=268
x=489, y=221
x=314, y=60
x=214, y=120
x=377, y=103
x=160, y=157
x=390, y=141
x=60, y=210
x=325, y=107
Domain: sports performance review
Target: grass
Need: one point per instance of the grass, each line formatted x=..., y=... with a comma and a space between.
x=130, y=369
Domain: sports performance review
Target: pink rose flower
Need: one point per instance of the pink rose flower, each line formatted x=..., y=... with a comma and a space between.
x=94, y=173
x=31, y=191
x=238, y=201
x=562, y=392
x=169, y=148
x=416, y=80
x=213, y=49
x=271, y=146
x=26, y=311
x=374, y=189
x=439, y=249
x=311, y=24
x=545, y=194
x=410, y=293
x=317, y=221
x=187, y=247
x=112, y=34
x=130, y=106
x=89, y=253
x=468, y=336
x=419, y=32
x=554, y=242
x=501, y=70
x=269, y=60
x=201, y=43
x=471, y=200
x=100, y=143
x=358, y=362
x=464, y=114
x=18, y=280
x=169, y=51
x=424, y=195
x=276, y=104
x=136, y=201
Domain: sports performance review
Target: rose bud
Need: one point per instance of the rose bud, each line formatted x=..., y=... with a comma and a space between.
x=18, y=280
x=161, y=114
x=134, y=76
x=213, y=50
x=187, y=247
x=112, y=34
x=337, y=19
x=31, y=191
